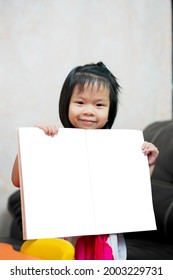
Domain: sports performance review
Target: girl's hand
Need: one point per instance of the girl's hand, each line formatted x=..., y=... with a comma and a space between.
x=48, y=129
x=151, y=151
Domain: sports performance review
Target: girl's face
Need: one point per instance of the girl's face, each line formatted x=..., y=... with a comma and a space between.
x=89, y=108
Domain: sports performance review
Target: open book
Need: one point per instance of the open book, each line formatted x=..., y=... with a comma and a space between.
x=83, y=182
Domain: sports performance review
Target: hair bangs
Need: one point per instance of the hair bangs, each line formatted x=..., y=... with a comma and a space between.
x=83, y=79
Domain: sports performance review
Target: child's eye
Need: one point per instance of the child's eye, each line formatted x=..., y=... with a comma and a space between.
x=100, y=105
x=79, y=102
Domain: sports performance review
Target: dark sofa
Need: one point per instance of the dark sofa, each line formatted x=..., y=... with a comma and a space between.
x=157, y=245
x=150, y=245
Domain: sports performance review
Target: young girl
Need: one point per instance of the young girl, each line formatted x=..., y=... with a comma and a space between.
x=89, y=100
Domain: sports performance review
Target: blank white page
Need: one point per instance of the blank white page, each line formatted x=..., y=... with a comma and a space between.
x=120, y=180
x=55, y=182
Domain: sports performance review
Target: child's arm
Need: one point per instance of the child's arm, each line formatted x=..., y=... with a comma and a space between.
x=49, y=130
x=152, y=152
x=15, y=174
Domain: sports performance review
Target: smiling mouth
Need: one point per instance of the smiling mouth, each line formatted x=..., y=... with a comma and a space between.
x=87, y=121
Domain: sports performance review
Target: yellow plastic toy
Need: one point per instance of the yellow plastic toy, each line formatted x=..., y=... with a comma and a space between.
x=48, y=249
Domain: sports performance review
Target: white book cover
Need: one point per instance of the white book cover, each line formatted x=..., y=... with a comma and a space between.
x=83, y=182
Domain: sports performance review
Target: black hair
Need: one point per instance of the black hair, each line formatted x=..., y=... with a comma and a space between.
x=89, y=74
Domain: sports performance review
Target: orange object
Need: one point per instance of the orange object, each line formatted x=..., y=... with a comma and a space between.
x=49, y=249
x=8, y=253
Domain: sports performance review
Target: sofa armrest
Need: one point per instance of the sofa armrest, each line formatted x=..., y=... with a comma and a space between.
x=163, y=207
x=14, y=208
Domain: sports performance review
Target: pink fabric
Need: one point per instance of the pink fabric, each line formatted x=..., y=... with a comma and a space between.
x=94, y=247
